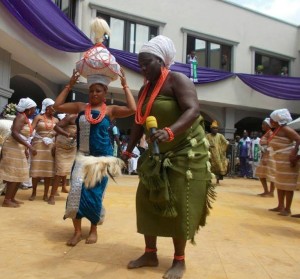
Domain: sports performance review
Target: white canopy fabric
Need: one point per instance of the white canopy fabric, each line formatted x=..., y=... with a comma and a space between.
x=295, y=124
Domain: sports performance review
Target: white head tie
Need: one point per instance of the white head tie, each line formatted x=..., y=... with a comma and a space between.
x=61, y=116
x=25, y=103
x=282, y=116
x=267, y=120
x=46, y=103
x=161, y=46
x=92, y=79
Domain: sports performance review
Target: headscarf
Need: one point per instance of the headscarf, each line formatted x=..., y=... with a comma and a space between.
x=92, y=79
x=61, y=116
x=267, y=120
x=25, y=103
x=282, y=116
x=46, y=103
x=162, y=47
x=214, y=124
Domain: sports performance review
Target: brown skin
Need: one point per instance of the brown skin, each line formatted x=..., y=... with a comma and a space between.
x=179, y=87
x=12, y=187
x=97, y=93
x=214, y=130
x=59, y=129
x=47, y=180
x=285, y=198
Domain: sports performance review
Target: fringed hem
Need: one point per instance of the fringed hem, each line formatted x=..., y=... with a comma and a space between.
x=210, y=198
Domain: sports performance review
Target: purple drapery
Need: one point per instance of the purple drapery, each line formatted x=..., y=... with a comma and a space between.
x=47, y=22
x=205, y=75
x=287, y=88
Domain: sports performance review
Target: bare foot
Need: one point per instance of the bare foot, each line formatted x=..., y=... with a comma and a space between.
x=285, y=212
x=263, y=194
x=147, y=259
x=64, y=190
x=74, y=239
x=92, y=238
x=276, y=209
x=9, y=203
x=17, y=202
x=51, y=200
x=296, y=215
x=176, y=271
x=32, y=198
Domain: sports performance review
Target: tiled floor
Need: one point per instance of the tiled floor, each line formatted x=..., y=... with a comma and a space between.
x=241, y=240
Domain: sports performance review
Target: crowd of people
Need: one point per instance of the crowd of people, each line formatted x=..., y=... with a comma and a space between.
x=272, y=159
x=175, y=161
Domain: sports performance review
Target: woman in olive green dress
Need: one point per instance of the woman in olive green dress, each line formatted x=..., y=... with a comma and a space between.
x=173, y=195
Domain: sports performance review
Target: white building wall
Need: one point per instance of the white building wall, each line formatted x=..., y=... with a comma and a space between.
x=28, y=50
x=5, y=91
x=247, y=30
x=213, y=17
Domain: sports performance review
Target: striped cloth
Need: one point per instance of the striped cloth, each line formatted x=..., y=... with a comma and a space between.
x=266, y=167
x=285, y=176
x=65, y=152
x=42, y=165
x=13, y=165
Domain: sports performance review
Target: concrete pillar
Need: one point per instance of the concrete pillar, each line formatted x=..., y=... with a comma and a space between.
x=5, y=69
x=229, y=129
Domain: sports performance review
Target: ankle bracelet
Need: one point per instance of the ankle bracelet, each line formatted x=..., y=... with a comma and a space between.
x=150, y=250
x=179, y=258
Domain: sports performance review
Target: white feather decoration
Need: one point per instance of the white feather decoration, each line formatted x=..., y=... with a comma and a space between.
x=99, y=27
x=95, y=168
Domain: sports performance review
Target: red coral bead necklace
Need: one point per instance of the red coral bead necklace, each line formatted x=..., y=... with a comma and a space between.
x=139, y=118
x=99, y=118
x=50, y=126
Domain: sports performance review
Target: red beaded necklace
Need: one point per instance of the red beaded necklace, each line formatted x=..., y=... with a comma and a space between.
x=266, y=134
x=48, y=127
x=28, y=123
x=139, y=118
x=99, y=118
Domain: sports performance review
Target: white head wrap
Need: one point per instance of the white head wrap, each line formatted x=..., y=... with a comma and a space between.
x=92, y=79
x=282, y=116
x=267, y=120
x=161, y=46
x=61, y=116
x=25, y=103
x=46, y=103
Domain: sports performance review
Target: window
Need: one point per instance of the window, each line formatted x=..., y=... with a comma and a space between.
x=127, y=34
x=210, y=54
x=68, y=7
x=271, y=65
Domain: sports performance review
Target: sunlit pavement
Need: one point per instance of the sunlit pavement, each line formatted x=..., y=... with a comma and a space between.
x=242, y=238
